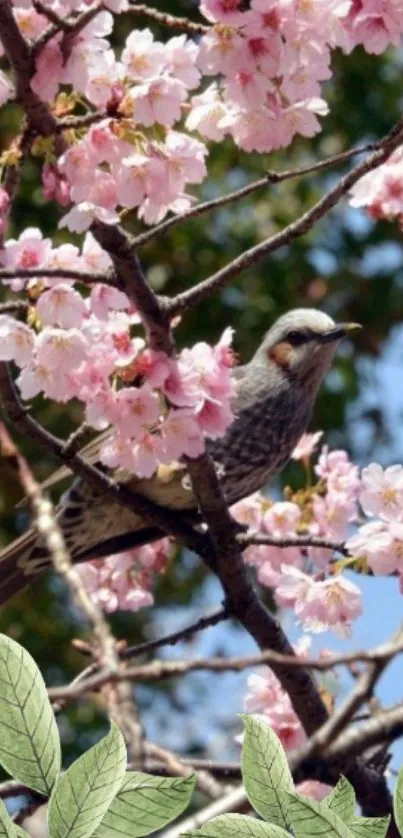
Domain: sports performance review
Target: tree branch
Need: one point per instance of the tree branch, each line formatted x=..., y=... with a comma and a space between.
x=293, y=231
x=270, y=178
x=170, y=21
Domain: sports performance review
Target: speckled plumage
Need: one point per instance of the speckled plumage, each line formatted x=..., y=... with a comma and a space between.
x=275, y=393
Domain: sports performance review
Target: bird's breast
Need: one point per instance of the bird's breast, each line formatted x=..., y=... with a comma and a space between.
x=260, y=441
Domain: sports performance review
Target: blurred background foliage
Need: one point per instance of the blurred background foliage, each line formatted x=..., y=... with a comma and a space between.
x=347, y=266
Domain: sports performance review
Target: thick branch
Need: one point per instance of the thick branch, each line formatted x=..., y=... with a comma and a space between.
x=20, y=58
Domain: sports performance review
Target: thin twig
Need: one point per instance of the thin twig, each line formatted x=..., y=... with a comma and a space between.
x=86, y=277
x=58, y=22
x=157, y=670
x=293, y=541
x=293, y=231
x=47, y=526
x=170, y=21
x=14, y=307
x=269, y=178
x=205, y=782
x=176, y=636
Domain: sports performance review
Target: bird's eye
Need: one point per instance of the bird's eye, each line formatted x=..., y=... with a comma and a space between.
x=297, y=338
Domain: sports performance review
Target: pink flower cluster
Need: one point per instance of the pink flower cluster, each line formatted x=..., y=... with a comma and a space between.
x=84, y=348
x=380, y=541
x=124, y=582
x=268, y=64
x=266, y=697
x=381, y=191
x=298, y=576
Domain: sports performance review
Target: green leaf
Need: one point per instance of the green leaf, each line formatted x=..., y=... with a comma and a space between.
x=86, y=790
x=369, y=827
x=342, y=800
x=398, y=801
x=227, y=826
x=265, y=772
x=29, y=739
x=144, y=804
x=309, y=818
x=7, y=828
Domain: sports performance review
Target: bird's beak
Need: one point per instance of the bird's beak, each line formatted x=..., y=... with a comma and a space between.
x=339, y=331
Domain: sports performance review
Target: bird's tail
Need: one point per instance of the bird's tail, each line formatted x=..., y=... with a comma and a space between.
x=26, y=557
x=20, y=562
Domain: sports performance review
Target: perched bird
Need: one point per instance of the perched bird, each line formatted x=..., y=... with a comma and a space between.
x=274, y=396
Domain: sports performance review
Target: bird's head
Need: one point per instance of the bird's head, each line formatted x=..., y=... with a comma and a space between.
x=301, y=345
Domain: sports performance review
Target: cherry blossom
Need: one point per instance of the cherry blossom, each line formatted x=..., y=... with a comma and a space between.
x=306, y=446
x=381, y=544
x=382, y=491
x=123, y=582
x=61, y=306
x=16, y=341
x=318, y=606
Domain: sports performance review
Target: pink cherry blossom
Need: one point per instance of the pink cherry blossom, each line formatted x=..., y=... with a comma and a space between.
x=65, y=256
x=77, y=163
x=157, y=100
x=207, y=111
x=282, y=518
x=146, y=455
x=101, y=192
x=136, y=408
x=123, y=582
x=61, y=349
x=382, y=491
x=266, y=697
x=48, y=70
x=319, y=606
x=180, y=57
x=222, y=11
x=249, y=511
x=103, y=298
x=381, y=544
x=94, y=258
x=181, y=434
x=143, y=57
x=154, y=366
x=37, y=378
x=306, y=446
x=81, y=217
x=55, y=185
x=29, y=251
x=16, y=341
x=341, y=475
x=61, y=306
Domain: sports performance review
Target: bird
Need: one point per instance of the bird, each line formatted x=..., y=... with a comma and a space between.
x=273, y=401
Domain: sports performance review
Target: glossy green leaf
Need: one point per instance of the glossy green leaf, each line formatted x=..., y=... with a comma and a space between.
x=86, y=790
x=238, y=826
x=309, y=818
x=144, y=804
x=369, y=827
x=265, y=772
x=398, y=801
x=342, y=800
x=29, y=739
